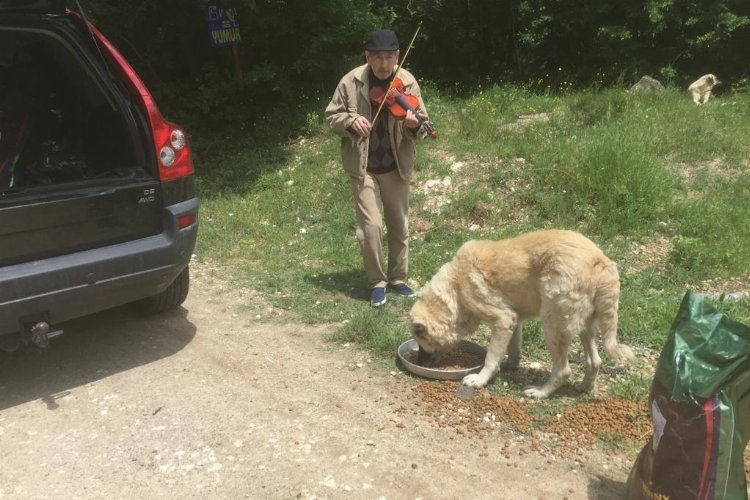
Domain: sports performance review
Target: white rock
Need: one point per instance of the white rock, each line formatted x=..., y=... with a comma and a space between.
x=328, y=482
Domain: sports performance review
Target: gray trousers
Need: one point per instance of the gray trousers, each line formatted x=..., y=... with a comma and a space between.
x=379, y=198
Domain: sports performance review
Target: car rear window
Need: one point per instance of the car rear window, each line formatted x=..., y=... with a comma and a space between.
x=58, y=121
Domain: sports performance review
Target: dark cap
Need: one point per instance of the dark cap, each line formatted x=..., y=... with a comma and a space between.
x=381, y=40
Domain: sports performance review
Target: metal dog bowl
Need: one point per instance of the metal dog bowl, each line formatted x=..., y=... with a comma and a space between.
x=437, y=373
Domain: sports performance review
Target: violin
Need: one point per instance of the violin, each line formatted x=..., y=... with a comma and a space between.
x=399, y=101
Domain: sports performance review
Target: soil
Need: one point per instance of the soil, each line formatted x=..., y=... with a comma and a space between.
x=220, y=399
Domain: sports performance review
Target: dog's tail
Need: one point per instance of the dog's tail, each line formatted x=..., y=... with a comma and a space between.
x=606, y=304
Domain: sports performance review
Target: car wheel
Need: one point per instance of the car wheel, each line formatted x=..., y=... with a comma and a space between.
x=172, y=297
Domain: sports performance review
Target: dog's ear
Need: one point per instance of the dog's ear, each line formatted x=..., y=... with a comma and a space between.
x=419, y=330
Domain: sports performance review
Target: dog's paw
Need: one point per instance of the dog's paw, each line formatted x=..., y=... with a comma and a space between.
x=474, y=380
x=584, y=386
x=623, y=354
x=535, y=392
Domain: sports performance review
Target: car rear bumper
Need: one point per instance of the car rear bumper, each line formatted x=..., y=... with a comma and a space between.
x=74, y=285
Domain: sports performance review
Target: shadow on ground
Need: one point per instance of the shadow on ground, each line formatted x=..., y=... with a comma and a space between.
x=604, y=488
x=351, y=283
x=91, y=348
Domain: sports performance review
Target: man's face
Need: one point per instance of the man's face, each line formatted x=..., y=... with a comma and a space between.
x=382, y=62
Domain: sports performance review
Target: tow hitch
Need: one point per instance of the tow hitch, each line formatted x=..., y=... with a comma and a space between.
x=36, y=333
x=40, y=334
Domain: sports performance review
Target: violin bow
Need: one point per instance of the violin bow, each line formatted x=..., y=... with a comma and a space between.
x=395, y=73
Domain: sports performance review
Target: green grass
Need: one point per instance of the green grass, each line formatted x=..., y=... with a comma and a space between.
x=659, y=183
x=635, y=387
x=380, y=330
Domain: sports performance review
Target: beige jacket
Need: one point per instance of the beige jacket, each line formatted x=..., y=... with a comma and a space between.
x=352, y=98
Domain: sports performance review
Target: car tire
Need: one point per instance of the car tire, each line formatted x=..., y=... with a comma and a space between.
x=172, y=297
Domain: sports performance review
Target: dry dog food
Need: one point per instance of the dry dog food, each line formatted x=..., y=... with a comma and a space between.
x=455, y=359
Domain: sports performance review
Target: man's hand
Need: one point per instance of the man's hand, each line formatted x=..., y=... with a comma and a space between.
x=361, y=126
x=411, y=119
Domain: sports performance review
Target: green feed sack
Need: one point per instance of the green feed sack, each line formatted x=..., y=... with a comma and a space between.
x=700, y=410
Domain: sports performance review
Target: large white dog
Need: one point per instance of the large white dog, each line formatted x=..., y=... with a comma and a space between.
x=561, y=277
x=700, y=90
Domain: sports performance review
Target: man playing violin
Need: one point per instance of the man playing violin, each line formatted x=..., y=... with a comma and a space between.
x=379, y=158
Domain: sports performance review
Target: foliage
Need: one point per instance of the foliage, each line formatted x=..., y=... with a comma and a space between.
x=292, y=52
x=524, y=40
x=289, y=53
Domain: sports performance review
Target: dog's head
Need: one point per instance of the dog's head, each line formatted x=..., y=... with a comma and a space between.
x=712, y=80
x=433, y=329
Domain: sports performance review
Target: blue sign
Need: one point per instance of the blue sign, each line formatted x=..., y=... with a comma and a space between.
x=223, y=25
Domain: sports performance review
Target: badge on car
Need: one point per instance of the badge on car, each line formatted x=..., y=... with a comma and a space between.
x=149, y=196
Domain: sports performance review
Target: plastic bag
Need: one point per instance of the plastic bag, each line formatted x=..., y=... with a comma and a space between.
x=700, y=410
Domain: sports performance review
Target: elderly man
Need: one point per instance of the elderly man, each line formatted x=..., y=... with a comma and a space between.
x=379, y=159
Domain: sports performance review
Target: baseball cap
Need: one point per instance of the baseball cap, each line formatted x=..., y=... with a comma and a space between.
x=381, y=40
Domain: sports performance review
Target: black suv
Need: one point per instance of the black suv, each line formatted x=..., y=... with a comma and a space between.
x=97, y=199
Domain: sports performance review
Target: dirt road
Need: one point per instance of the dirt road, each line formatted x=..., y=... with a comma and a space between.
x=217, y=400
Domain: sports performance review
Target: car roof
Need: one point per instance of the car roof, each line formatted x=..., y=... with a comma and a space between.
x=33, y=6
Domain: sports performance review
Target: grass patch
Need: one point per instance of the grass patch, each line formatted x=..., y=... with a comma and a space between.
x=380, y=330
x=635, y=386
x=656, y=181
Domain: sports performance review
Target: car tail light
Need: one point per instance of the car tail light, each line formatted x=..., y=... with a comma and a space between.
x=186, y=220
x=173, y=155
x=170, y=144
